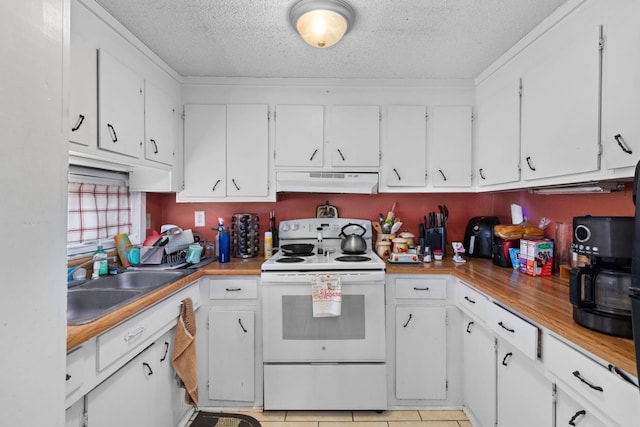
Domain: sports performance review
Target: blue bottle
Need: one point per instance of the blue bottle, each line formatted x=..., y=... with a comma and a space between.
x=224, y=254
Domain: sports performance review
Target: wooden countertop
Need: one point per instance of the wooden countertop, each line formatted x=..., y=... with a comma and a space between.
x=542, y=300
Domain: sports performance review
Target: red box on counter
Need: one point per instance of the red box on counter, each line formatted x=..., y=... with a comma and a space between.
x=536, y=257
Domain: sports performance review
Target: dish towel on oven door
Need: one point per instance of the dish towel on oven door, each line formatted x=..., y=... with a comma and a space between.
x=326, y=292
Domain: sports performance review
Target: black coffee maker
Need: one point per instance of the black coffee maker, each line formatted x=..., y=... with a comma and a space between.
x=599, y=291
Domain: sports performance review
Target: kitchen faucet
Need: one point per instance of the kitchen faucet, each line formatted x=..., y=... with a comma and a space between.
x=87, y=262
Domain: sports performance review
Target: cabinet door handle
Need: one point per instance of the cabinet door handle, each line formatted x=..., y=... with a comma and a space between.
x=572, y=421
x=313, y=154
x=481, y=172
x=112, y=133
x=420, y=289
x=469, y=325
x=528, y=159
x=68, y=377
x=623, y=145
x=470, y=300
x=620, y=373
x=145, y=364
x=408, y=320
x=155, y=146
x=579, y=376
x=78, y=123
x=234, y=184
x=443, y=175
x=341, y=156
x=506, y=358
x=132, y=334
x=166, y=350
x=242, y=326
x=233, y=289
x=397, y=174
x=506, y=328
x=215, y=185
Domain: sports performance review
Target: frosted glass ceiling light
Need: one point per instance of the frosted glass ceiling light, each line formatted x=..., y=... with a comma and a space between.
x=322, y=23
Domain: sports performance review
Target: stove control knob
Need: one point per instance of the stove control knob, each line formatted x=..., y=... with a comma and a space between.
x=294, y=226
x=285, y=227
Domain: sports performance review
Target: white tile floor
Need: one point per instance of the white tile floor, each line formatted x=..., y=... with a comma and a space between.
x=361, y=418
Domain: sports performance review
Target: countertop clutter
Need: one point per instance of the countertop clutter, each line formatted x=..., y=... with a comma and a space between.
x=541, y=300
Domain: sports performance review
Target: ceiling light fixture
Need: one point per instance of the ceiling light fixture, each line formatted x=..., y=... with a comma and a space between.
x=322, y=23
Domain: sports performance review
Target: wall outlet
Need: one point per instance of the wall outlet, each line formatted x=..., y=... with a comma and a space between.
x=199, y=218
x=148, y=221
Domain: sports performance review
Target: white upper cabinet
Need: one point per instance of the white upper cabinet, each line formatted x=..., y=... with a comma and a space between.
x=121, y=107
x=159, y=125
x=299, y=137
x=226, y=152
x=560, y=102
x=404, y=150
x=498, y=137
x=621, y=84
x=83, y=101
x=450, y=149
x=355, y=136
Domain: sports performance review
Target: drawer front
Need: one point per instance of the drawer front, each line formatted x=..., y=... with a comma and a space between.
x=137, y=332
x=471, y=301
x=594, y=382
x=233, y=288
x=419, y=288
x=75, y=369
x=518, y=332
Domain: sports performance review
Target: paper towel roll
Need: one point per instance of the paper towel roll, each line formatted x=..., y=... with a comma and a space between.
x=516, y=214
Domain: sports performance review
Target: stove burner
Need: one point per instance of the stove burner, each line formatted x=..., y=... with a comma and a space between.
x=290, y=255
x=353, y=258
x=289, y=259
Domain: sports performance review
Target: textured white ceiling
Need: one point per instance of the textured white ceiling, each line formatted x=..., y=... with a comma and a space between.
x=390, y=39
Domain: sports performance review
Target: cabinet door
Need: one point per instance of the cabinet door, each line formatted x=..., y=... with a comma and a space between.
x=355, y=135
x=524, y=394
x=83, y=84
x=247, y=150
x=205, y=128
x=299, y=135
x=169, y=405
x=74, y=415
x=450, y=151
x=560, y=106
x=159, y=124
x=571, y=413
x=421, y=359
x=405, y=146
x=121, y=107
x=127, y=397
x=231, y=355
x=621, y=71
x=498, y=142
x=479, y=372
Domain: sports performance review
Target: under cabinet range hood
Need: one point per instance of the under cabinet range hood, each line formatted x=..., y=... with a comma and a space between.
x=327, y=182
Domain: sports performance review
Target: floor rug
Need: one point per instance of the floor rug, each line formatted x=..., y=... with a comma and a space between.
x=218, y=419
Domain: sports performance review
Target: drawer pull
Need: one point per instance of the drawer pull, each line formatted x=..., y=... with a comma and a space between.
x=572, y=421
x=420, y=289
x=506, y=358
x=242, y=326
x=578, y=376
x=132, y=334
x=233, y=289
x=408, y=320
x=469, y=299
x=621, y=374
x=469, y=325
x=505, y=328
x=148, y=368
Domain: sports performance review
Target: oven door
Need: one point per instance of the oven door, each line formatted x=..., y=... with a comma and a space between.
x=292, y=334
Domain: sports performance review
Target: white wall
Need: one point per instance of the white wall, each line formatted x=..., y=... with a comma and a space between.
x=33, y=164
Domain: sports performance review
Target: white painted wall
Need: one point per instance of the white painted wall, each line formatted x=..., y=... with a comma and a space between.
x=33, y=165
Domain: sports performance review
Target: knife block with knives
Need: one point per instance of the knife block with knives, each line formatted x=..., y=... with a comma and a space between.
x=433, y=231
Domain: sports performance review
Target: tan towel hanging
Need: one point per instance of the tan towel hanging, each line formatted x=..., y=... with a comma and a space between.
x=184, y=352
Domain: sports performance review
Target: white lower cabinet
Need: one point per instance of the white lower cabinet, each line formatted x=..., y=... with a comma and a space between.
x=169, y=404
x=524, y=394
x=231, y=355
x=74, y=415
x=479, y=372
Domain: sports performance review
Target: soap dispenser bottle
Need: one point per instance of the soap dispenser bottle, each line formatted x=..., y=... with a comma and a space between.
x=100, y=265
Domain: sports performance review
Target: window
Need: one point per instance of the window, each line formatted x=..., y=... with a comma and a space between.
x=100, y=206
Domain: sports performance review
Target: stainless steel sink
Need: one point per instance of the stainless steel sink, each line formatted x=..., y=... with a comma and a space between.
x=93, y=299
x=86, y=305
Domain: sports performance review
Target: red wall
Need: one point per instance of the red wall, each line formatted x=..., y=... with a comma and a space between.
x=410, y=208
